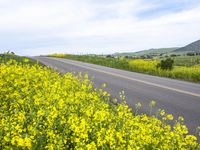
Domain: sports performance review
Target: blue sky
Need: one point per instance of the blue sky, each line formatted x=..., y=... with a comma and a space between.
x=37, y=27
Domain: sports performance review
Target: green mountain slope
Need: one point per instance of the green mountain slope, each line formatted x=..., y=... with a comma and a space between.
x=193, y=47
x=153, y=51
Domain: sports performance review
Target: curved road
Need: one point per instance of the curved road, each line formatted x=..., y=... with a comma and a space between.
x=177, y=97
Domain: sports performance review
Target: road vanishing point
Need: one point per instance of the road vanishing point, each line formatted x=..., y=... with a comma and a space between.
x=179, y=98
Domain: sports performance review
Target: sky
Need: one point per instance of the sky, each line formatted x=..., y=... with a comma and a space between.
x=39, y=27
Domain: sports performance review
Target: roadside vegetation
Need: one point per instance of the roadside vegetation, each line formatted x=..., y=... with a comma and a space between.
x=42, y=109
x=176, y=72
x=180, y=67
x=187, y=60
x=6, y=57
x=95, y=59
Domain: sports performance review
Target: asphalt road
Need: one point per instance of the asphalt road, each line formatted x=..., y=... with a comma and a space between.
x=179, y=98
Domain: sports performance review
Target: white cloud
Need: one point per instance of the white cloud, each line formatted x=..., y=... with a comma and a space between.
x=42, y=14
x=84, y=26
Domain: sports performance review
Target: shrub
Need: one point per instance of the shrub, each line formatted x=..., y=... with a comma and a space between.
x=166, y=64
x=191, y=54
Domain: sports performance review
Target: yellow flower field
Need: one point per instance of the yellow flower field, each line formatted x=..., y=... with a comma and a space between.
x=42, y=109
x=191, y=73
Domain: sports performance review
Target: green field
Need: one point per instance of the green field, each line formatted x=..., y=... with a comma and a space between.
x=187, y=60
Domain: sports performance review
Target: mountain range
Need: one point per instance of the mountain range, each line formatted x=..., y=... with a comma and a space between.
x=190, y=48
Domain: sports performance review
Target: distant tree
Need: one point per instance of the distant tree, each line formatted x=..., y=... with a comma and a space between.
x=173, y=55
x=109, y=56
x=143, y=57
x=161, y=54
x=149, y=56
x=190, y=54
x=166, y=64
x=128, y=57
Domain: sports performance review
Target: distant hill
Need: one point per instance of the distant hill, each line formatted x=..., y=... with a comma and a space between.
x=190, y=48
x=153, y=51
x=193, y=47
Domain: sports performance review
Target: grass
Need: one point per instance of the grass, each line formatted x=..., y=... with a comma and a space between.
x=4, y=58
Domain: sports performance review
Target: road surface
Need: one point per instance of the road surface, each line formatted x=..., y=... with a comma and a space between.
x=179, y=98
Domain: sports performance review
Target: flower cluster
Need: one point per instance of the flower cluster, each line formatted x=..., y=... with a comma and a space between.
x=42, y=109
